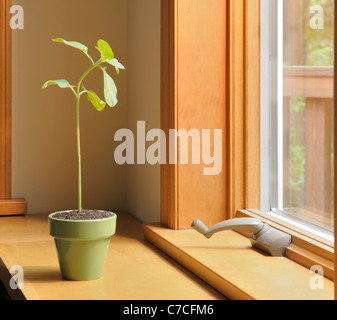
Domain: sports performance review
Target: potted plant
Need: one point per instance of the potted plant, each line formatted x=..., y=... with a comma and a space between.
x=82, y=236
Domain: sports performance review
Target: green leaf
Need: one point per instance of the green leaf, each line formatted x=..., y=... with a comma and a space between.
x=61, y=83
x=73, y=44
x=114, y=62
x=105, y=50
x=95, y=100
x=110, y=90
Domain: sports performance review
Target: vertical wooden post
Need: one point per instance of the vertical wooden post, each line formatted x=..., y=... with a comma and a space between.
x=7, y=205
x=286, y=152
x=169, y=173
x=318, y=192
x=5, y=112
x=252, y=103
x=236, y=96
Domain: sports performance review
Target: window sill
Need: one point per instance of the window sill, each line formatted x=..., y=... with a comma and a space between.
x=134, y=270
x=307, y=249
x=229, y=264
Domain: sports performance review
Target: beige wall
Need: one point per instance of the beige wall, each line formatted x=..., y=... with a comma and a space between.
x=44, y=141
x=144, y=101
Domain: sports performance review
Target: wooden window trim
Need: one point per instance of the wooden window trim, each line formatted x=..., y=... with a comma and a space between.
x=8, y=206
x=243, y=128
x=242, y=143
x=183, y=74
x=244, y=97
x=5, y=103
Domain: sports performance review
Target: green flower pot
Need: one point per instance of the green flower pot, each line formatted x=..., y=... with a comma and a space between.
x=82, y=245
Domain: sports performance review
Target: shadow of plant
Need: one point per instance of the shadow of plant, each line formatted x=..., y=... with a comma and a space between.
x=41, y=274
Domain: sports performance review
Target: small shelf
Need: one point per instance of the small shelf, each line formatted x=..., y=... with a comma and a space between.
x=134, y=270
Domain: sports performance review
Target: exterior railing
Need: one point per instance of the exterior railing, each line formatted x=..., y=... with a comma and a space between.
x=308, y=131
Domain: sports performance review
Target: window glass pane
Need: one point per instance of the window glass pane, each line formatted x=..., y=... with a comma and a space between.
x=304, y=85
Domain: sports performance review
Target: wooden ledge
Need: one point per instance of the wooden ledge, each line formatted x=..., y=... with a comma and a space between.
x=13, y=207
x=228, y=263
x=134, y=270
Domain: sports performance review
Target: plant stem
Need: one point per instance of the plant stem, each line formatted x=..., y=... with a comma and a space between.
x=78, y=133
x=79, y=153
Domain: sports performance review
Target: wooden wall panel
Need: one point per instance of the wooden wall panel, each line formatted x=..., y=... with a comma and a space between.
x=202, y=103
x=194, y=95
x=211, y=75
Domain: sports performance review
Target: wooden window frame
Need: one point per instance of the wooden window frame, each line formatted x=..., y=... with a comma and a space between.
x=242, y=143
x=8, y=206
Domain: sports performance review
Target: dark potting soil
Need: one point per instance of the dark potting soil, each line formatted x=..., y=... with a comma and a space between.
x=85, y=214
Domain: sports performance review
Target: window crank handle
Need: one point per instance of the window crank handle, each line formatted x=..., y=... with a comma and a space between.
x=243, y=224
x=263, y=237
